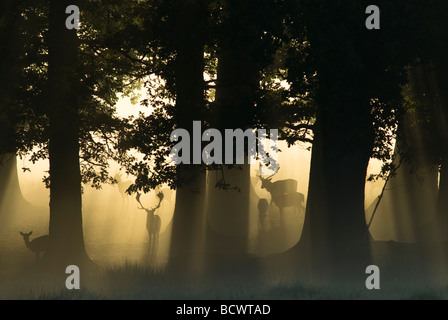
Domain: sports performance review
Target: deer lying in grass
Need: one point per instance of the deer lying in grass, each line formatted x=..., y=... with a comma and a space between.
x=153, y=221
x=37, y=245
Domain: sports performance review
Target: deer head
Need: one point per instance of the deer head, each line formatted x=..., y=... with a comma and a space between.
x=150, y=211
x=266, y=182
x=26, y=236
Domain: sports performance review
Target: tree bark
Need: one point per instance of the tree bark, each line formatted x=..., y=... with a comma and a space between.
x=442, y=199
x=66, y=244
x=188, y=219
x=335, y=236
x=237, y=84
x=440, y=83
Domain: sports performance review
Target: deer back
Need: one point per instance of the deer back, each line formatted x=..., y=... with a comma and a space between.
x=294, y=199
x=39, y=244
x=282, y=186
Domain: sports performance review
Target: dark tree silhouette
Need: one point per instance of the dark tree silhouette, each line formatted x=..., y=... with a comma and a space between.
x=188, y=220
x=359, y=73
x=20, y=124
x=66, y=241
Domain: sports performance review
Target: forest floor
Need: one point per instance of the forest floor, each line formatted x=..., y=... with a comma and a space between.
x=127, y=270
x=408, y=271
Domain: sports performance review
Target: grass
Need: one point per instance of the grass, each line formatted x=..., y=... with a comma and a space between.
x=402, y=267
x=137, y=282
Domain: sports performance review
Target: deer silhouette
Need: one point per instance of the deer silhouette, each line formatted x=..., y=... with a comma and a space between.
x=123, y=185
x=37, y=245
x=283, y=193
x=153, y=221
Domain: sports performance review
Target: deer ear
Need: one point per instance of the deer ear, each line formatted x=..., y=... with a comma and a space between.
x=21, y=233
x=31, y=232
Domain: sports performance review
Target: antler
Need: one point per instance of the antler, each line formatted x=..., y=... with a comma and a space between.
x=160, y=195
x=269, y=177
x=137, y=197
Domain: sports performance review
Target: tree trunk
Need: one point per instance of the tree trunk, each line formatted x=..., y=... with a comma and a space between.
x=228, y=212
x=440, y=84
x=188, y=219
x=442, y=199
x=237, y=84
x=13, y=207
x=66, y=244
x=335, y=235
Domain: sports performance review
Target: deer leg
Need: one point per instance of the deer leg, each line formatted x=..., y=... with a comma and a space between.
x=299, y=210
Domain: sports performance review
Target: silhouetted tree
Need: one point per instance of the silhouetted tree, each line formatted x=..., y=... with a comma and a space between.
x=166, y=41
x=421, y=136
x=359, y=73
x=66, y=241
x=20, y=123
x=245, y=48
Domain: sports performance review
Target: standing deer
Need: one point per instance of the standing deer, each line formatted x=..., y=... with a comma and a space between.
x=283, y=193
x=123, y=185
x=37, y=245
x=153, y=221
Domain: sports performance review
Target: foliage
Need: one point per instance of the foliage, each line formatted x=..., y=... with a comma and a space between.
x=103, y=74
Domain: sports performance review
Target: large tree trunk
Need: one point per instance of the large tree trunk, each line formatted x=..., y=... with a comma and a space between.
x=237, y=83
x=228, y=212
x=335, y=227
x=66, y=230
x=188, y=219
x=11, y=52
x=439, y=73
x=13, y=207
x=335, y=235
x=442, y=199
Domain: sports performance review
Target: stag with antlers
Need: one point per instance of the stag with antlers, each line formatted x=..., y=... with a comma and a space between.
x=283, y=193
x=153, y=221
